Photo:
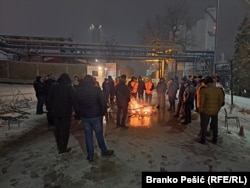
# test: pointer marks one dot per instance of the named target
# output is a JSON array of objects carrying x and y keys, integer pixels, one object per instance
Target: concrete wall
[{"x": 27, "y": 71}]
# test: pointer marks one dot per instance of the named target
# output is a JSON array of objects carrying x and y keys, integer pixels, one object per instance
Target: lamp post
[
  {"x": 215, "y": 36},
  {"x": 231, "y": 82}
]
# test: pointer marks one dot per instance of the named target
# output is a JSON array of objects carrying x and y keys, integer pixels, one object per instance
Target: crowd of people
[{"x": 88, "y": 100}]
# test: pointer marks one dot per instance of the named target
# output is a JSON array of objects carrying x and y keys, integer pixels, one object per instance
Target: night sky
[{"x": 120, "y": 19}]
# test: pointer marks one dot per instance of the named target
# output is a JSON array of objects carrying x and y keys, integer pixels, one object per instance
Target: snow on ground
[
  {"x": 165, "y": 145},
  {"x": 8, "y": 91}
]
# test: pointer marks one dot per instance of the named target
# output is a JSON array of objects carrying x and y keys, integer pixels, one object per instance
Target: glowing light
[{"x": 139, "y": 114}]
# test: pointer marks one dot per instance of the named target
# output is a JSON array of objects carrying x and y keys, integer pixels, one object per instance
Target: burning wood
[{"x": 139, "y": 110}]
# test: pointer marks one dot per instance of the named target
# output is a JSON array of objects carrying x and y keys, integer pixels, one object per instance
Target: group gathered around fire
[{"x": 88, "y": 101}]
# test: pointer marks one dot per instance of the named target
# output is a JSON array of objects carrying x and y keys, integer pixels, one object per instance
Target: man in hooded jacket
[{"x": 61, "y": 102}]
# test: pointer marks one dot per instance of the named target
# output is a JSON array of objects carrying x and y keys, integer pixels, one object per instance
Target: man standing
[
  {"x": 188, "y": 102},
  {"x": 92, "y": 106},
  {"x": 122, "y": 94},
  {"x": 171, "y": 92},
  {"x": 149, "y": 87},
  {"x": 161, "y": 89},
  {"x": 133, "y": 86},
  {"x": 141, "y": 88},
  {"x": 61, "y": 100},
  {"x": 180, "y": 97},
  {"x": 40, "y": 94},
  {"x": 211, "y": 99},
  {"x": 111, "y": 84}
]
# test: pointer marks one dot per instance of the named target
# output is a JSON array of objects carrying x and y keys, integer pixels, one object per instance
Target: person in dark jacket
[
  {"x": 49, "y": 80},
  {"x": 92, "y": 106},
  {"x": 161, "y": 89},
  {"x": 141, "y": 88},
  {"x": 122, "y": 94},
  {"x": 172, "y": 89},
  {"x": 188, "y": 102},
  {"x": 106, "y": 89},
  {"x": 111, "y": 89},
  {"x": 40, "y": 94},
  {"x": 180, "y": 97},
  {"x": 61, "y": 101}
]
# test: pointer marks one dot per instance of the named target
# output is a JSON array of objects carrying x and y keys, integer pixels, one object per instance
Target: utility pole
[
  {"x": 215, "y": 36},
  {"x": 231, "y": 82}
]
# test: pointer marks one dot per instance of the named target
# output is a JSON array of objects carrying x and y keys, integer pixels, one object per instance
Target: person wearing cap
[
  {"x": 122, "y": 94},
  {"x": 211, "y": 99}
]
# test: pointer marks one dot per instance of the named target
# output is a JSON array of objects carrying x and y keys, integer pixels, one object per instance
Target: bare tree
[
  {"x": 175, "y": 20},
  {"x": 153, "y": 30},
  {"x": 176, "y": 16}
]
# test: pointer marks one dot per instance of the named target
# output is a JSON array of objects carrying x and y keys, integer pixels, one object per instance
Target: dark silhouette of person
[
  {"x": 48, "y": 82},
  {"x": 39, "y": 88},
  {"x": 111, "y": 84},
  {"x": 141, "y": 88},
  {"x": 92, "y": 107},
  {"x": 122, "y": 94},
  {"x": 61, "y": 102}
]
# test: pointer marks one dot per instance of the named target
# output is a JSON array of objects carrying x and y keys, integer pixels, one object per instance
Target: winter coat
[
  {"x": 189, "y": 94},
  {"x": 111, "y": 84},
  {"x": 172, "y": 89},
  {"x": 134, "y": 86},
  {"x": 39, "y": 87},
  {"x": 149, "y": 87},
  {"x": 211, "y": 99},
  {"x": 61, "y": 98},
  {"x": 141, "y": 86},
  {"x": 122, "y": 94},
  {"x": 91, "y": 101},
  {"x": 161, "y": 87},
  {"x": 181, "y": 92}
]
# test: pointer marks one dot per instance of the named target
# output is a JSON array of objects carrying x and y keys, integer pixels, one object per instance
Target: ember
[{"x": 139, "y": 110}]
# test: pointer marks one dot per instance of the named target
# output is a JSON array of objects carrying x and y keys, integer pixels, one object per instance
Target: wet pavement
[{"x": 157, "y": 142}]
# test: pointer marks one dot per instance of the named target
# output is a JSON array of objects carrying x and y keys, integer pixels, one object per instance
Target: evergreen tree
[{"x": 241, "y": 59}]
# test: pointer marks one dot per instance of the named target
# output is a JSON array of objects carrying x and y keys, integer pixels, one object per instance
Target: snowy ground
[
  {"x": 8, "y": 92},
  {"x": 158, "y": 143}
]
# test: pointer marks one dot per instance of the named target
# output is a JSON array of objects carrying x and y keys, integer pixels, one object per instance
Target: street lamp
[{"x": 215, "y": 36}]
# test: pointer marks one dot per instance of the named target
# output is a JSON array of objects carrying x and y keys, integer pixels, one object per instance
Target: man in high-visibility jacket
[
  {"x": 149, "y": 87},
  {"x": 133, "y": 86}
]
